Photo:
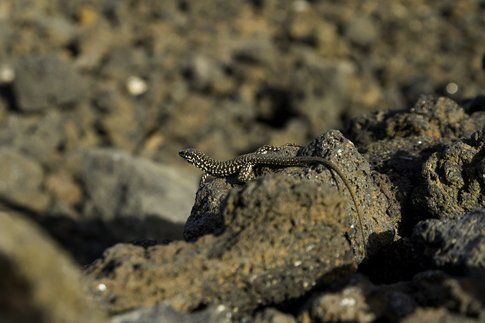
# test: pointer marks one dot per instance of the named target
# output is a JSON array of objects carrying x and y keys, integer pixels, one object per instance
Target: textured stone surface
[
  {"x": 282, "y": 237},
  {"x": 457, "y": 242},
  {"x": 454, "y": 178},
  {"x": 207, "y": 213},
  {"x": 409, "y": 151},
  {"x": 166, "y": 314},
  {"x": 432, "y": 291}
]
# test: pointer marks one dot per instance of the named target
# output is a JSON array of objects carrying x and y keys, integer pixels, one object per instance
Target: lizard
[{"x": 242, "y": 167}]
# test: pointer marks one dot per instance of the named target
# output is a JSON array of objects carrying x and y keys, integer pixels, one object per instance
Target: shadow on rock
[
  {"x": 38, "y": 281},
  {"x": 87, "y": 239},
  {"x": 431, "y": 294}
]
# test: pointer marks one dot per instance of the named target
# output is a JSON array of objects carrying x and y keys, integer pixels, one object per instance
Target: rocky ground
[{"x": 98, "y": 220}]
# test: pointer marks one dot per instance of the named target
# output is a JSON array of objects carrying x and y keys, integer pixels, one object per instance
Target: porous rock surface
[
  {"x": 454, "y": 178},
  {"x": 206, "y": 216},
  {"x": 293, "y": 230},
  {"x": 404, "y": 148},
  {"x": 457, "y": 242},
  {"x": 358, "y": 300},
  {"x": 271, "y": 249}
]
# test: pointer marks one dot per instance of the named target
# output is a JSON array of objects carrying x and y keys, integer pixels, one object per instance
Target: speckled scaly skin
[{"x": 242, "y": 166}]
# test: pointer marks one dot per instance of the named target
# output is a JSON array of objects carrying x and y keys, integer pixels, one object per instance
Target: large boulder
[{"x": 38, "y": 282}]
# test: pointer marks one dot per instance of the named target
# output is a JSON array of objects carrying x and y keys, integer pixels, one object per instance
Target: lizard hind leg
[
  {"x": 269, "y": 148},
  {"x": 246, "y": 173}
]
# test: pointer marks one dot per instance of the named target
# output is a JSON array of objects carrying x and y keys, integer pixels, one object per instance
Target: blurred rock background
[{"x": 97, "y": 96}]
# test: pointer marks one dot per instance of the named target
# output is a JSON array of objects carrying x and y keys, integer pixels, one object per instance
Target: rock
[
  {"x": 122, "y": 121},
  {"x": 43, "y": 81},
  {"x": 206, "y": 216},
  {"x": 204, "y": 72},
  {"x": 408, "y": 150},
  {"x": 358, "y": 300},
  {"x": 62, "y": 187},
  {"x": 271, "y": 315},
  {"x": 436, "y": 315},
  {"x": 282, "y": 237},
  {"x": 166, "y": 314},
  {"x": 319, "y": 91},
  {"x": 348, "y": 305},
  {"x": 456, "y": 242},
  {"x": 436, "y": 289},
  {"x": 59, "y": 30},
  {"x": 362, "y": 31},
  {"x": 119, "y": 186},
  {"x": 453, "y": 178},
  {"x": 227, "y": 77},
  {"x": 436, "y": 118},
  {"x": 40, "y": 138},
  {"x": 38, "y": 283},
  {"x": 211, "y": 199},
  {"x": 20, "y": 181}
]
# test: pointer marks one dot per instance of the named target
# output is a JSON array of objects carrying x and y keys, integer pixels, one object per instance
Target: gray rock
[
  {"x": 361, "y": 301},
  {"x": 37, "y": 137},
  {"x": 60, "y": 30},
  {"x": 424, "y": 160},
  {"x": 452, "y": 178},
  {"x": 45, "y": 81},
  {"x": 457, "y": 242},
  {"x": 119, "y": 185},
  {"x": 347, "y": 305},
  {"x": 437, "y": 315},
  {"x": 271, "y": 315},
  {"x": 20, "y": 181},
  {"x": 166, "y": 314},
  {"x": 38, "y": 283},
  {"x": 362, "y": 31}
]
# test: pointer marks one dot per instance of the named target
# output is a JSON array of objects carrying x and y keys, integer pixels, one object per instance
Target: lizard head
[{"x": 189, "y": 154}]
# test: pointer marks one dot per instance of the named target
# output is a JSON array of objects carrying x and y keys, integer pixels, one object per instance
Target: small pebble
[
  {"x": 300, "y": 5},
  {"x": 102, "y": 287},
  {"x": 220, "y": 308},
  {"x": 136, "y": 86},
  {"x": 7, "y": 74},
  {"x": 347, "y": 302},
  {"x": 451, "y": 88}
]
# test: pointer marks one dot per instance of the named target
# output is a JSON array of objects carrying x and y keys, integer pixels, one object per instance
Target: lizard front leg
[
  {"x": 246, "y": 173},
  {"x": 203, "y": 179}
]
